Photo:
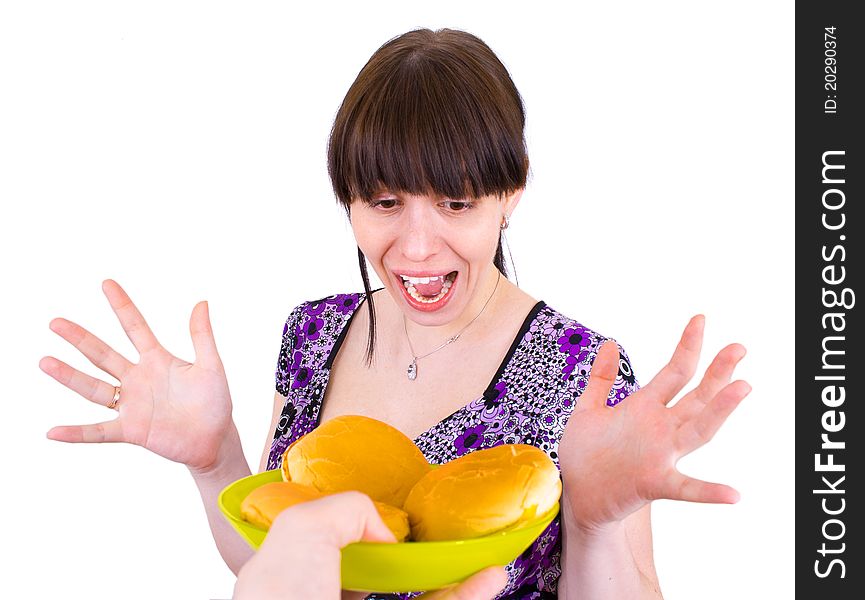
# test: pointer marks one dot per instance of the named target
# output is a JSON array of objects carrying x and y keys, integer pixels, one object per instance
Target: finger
[
  {"x": 202, "y": 336},
  {"x": 374, "y": 529},
  {"x": 716, "y": 377},
  {"x": 95, "y": 390},
  {"x": 702, "y": 427},
  {"x": 483, "y": 585},
  {"x": 133, "y": 323},
  {"x": 672, "y": 378},
  {"x": 97, "y": 352},
  {"x": 336, "y": 520},
  {"x": 695, "y": 490},
  {"x": 605, "y": 368},
  {"x": 359, "y": 508},
  {"x": 96, "y": 433}
]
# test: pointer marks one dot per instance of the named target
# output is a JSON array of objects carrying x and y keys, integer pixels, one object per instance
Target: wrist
[
  {"x": 589, "y": 534},
  {"x": 584, "y": 529},
  {"x": 228, "y": 464}
]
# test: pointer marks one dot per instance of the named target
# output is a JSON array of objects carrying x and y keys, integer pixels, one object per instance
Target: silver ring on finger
[{"x": 116, "y": 399}]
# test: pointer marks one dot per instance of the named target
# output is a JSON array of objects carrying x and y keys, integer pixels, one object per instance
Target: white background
[{"x": 180, "y": 148}]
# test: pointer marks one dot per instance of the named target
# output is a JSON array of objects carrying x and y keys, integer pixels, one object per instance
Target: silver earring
[{"x": 504, "y": 238}]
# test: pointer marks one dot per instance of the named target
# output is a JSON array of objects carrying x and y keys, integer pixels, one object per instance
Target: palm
[
  {"x": 176, "y": 409},
  {"x": 614, "y": 461}
]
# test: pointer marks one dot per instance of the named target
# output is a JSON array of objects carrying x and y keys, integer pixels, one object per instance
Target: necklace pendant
[{"x": 411, "y": 372}]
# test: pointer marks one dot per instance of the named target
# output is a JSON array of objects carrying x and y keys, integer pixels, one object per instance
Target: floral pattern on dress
[{"x": 529, "y": 401}]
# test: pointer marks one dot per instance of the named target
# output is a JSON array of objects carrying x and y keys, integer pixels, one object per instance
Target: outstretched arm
[
  {"x": 614, "y": 562},
  {"x": 616, "y": 461},
  {"x": 176, "y": 409}
]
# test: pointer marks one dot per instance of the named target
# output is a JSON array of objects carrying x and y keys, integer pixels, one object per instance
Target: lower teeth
[
  {"x": 427, "y": 299},
  {"x": 412, "y": 291}
]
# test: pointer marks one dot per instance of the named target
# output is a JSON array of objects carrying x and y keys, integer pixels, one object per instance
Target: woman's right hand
[{"x": 176, "y": 409}]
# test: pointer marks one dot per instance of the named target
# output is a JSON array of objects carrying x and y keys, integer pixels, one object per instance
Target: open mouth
[{"x": 428, "y": 292}]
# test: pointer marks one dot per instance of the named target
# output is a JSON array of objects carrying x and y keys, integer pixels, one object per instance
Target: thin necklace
[{"x": 411, "y": 371}]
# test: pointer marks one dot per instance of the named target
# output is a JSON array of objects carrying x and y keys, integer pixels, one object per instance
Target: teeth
[
  {"x": 410, "y": 282},
  {"x": 414, "y": 294},
  {"x": 425, "y": 300},
  {"x": 416, "y": 280}
]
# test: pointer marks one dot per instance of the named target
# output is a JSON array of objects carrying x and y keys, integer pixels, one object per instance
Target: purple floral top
[{"x": 528, "y": 401}]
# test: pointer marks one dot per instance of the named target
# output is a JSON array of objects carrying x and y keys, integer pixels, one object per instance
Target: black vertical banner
[{"x": 830, "y": 224}]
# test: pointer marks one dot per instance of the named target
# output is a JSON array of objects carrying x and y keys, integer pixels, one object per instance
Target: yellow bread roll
[
  {"x": 283, "y": 464},
  {"x": 396, "y": 520},
  {"x": 483, "y": 492},
  {"x": 352, "y": 452},
  {"x": 264, "y": 503}
]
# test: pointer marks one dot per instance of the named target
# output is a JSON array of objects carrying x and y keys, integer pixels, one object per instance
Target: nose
[{"x": 419, "y": 238}]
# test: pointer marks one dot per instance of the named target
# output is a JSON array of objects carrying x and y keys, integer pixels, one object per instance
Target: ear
[{"x": 509, "y": 203}]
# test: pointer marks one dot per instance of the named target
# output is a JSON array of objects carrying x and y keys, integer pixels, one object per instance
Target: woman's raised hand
[
  {"x": 176, "y": 409},
  {"x": 615, "y": 460}
]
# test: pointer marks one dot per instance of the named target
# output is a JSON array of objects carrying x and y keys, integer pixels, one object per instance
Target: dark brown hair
[{"x": 431, "y": 112}]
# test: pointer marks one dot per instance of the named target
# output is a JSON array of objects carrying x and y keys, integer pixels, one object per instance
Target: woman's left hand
[{"x": 615, "y": 460}]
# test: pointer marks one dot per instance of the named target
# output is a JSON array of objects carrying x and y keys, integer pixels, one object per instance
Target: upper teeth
[{"x": 416, "y": 280}]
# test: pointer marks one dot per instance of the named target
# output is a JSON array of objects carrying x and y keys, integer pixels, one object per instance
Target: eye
[
  {"x": 458, "y": 205},
  {"x": 384, "y": 203}
]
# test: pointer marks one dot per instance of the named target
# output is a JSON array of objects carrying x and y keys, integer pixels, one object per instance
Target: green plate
[{"x": 405, "y": 567}]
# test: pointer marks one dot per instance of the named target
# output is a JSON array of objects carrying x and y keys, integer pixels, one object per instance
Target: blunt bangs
[{"x": 430, "y": 113}]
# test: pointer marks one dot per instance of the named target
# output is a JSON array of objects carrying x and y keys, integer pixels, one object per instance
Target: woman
[{"x": 427, "y": 155}]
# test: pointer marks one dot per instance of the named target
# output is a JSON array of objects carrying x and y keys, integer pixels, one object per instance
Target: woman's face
[{"x": 434, "y": 254}]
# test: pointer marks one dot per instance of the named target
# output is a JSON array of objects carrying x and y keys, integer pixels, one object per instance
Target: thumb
[
  {"x": 605, "y": 368},
  {"x": 202, "y": 335},
  {"x": 689, "y": 489},
  {"x": 482, "y": 585},
  {"x": 371, "y": 526},
  {"x": 342, "y": 519}
]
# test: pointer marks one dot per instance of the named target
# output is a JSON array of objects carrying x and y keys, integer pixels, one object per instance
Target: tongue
[{"x": 429, "y": 289}]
